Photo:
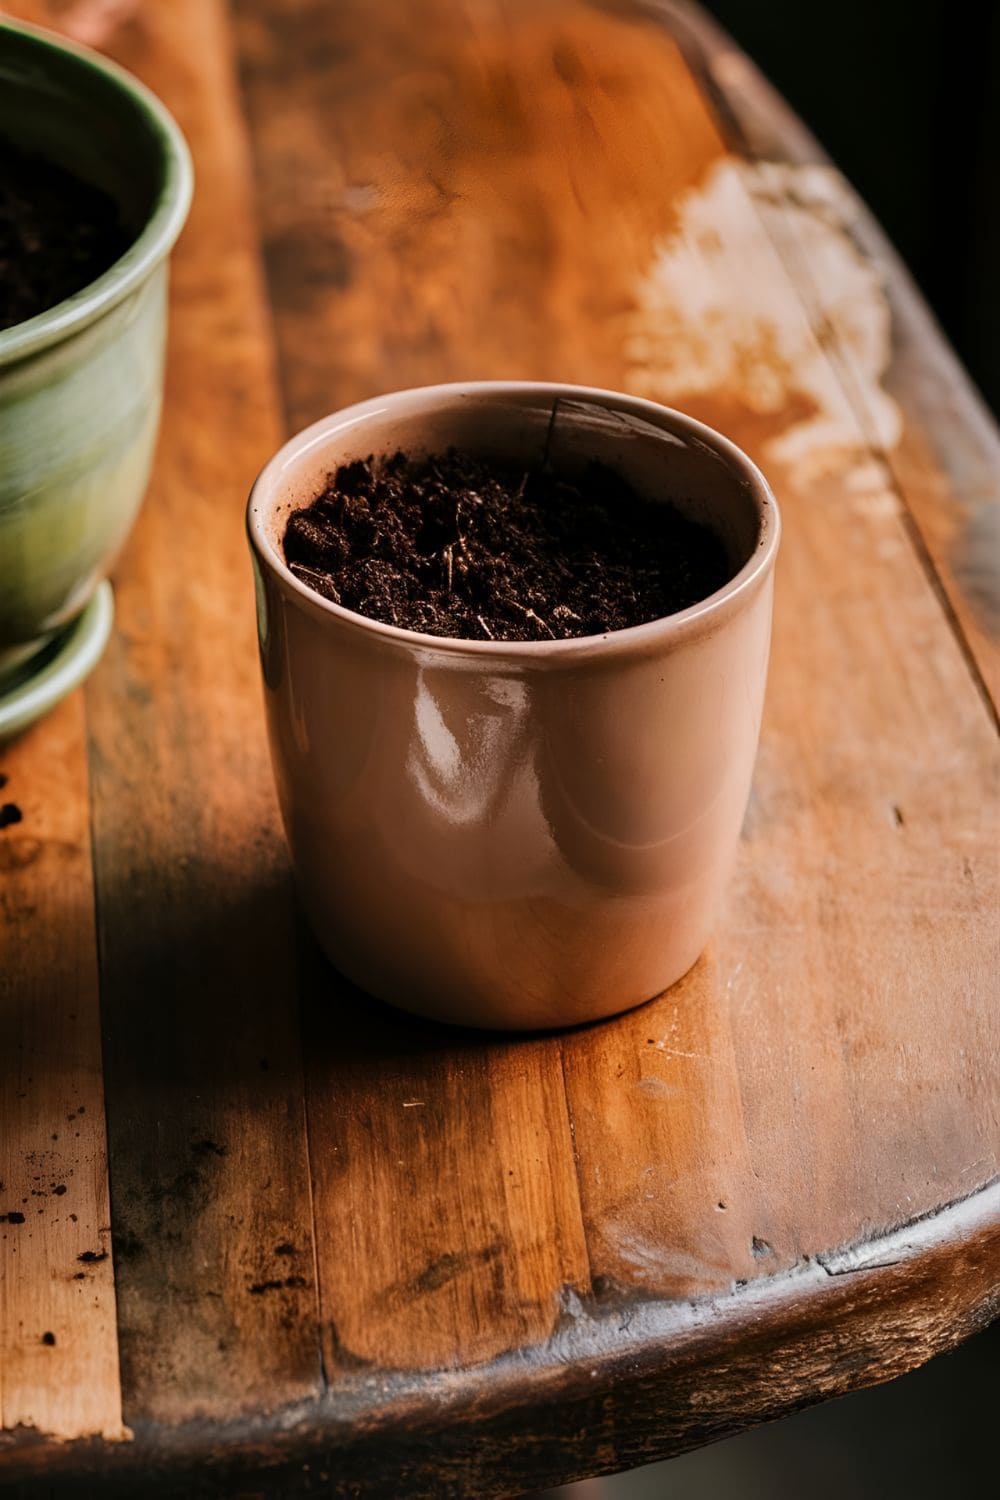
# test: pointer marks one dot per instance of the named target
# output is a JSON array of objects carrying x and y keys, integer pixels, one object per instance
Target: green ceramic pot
[{"x": 81, "y": 383}]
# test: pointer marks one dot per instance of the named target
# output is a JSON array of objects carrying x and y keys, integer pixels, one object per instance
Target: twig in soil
[
  {"x": 460, "y": 541},
  {"x": 530, "y": 613},
  {"x": 486, "y": 627},
  {"x": 321, "y": 582},
  {"x": 548, "y": 434}
]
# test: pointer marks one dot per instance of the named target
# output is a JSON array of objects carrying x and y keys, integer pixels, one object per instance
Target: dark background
[
  {"x": 904, "y": 95},
  {"x": 927, "y": 1436}
]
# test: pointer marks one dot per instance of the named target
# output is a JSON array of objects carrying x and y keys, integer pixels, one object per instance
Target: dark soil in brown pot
[{"x": 452, "y": 546}]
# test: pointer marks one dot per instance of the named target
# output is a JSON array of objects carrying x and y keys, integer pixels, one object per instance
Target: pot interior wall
[{"x": 517, "y": 428}]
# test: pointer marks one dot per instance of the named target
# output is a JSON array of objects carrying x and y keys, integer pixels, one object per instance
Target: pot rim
[
  {"x": 706, "y": 614},
  {"x": 155, "y": 240}
]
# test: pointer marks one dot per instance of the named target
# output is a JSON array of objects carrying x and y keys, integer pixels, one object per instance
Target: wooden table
[{"x": 256, "y": 1222}]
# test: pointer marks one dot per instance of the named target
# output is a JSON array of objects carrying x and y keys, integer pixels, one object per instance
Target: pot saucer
[{"x": 59, "y": 667}]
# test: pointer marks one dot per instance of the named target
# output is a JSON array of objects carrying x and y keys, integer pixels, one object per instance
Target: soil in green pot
[
  {"x": 452, "y": 546},
  {"x": 57, "y": 234}
]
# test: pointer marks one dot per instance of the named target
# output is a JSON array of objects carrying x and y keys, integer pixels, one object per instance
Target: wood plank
[
  {"x": 209, "y": 1170},
  {"x": 58, "y": 1343},
  {"x": 448, "y": 1221},
  {"x": 426, "y": 215}
]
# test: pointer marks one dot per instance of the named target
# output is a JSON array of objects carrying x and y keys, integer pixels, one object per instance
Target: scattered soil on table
[
  {"x": 208, "y": 1148},
  {"x": 277, "y": 1284},
  {"x": 57, "y": 234},
  {"x": 452, "y": 546}
]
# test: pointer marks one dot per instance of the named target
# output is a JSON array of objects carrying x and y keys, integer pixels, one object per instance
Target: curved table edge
[{"x": 690, "y": 1373}]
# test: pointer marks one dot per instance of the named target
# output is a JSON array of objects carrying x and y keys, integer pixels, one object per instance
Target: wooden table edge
[{"x": 833, "y": 1324}]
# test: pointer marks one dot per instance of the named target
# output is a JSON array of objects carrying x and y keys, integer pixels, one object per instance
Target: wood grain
[
  {"x": 58, "y": 1346},
  {"x": 448, "y": 1220},
  {"x": 427, "y": 212},
  {"x": 209, "y": 1169},
  {"x": 946, "y": 464}
]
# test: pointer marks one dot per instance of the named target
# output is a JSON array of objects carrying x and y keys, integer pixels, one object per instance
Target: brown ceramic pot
[{"x": 504, "y": 834}]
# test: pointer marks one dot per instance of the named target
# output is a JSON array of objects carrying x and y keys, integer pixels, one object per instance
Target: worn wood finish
[
  {"x": 842, "y": 859},
  {"x": 205, "y": 1101},
  {"x": 448, "y": 1222},
  {"x": 947, "y": 460},
  {"x": 515, "y": 1424},
  {"x": 58, "y": 1344},
  {"x": 428, "y": 189},
  {"x": 357, "y": 1254}
]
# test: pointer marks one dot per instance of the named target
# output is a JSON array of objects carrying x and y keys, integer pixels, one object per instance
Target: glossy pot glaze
[
  {"x": 80, "y": 384},
  {"x": 516, "y": 835}
]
